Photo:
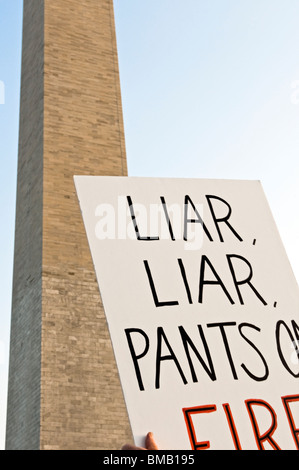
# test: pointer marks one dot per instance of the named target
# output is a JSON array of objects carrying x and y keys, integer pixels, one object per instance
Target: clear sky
[{"x": 210, "y": 89}]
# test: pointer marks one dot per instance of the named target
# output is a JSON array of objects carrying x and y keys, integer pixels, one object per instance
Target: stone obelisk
[{"x": 64, "y": 391}]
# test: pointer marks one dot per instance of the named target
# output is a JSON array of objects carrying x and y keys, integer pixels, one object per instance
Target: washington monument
[{"x": 64, "y": 391}]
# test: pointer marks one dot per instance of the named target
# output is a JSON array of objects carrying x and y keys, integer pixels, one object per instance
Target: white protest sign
[{"x": 202, "y": 308}]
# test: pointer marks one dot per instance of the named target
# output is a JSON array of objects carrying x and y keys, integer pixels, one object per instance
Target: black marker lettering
[
  {"x": 134, "y": 356},
  {"x": 133, "y": 217},
  {"x": 217, "y": 281},
  {"x": 198, "y": 219},
  {"x": 226, "y": 345},
  {"x": 243, "y": 281},
  {"x": 254, "y": 377},
  {"x": 187, "y": 343},
  {"x": 161, "y": 336},
  {"x": 224, "y": 219},
  {"x": 153, "y": 289}
]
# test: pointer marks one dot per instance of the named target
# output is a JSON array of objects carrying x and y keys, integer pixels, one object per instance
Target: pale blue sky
[{"x": 210, "y": 89}]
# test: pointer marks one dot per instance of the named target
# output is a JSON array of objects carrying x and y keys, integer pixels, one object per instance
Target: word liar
[{"x": 188, "y": 220}]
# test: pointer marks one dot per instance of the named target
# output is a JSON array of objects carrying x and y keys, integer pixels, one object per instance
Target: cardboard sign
[{"x": 202, "y": 308}]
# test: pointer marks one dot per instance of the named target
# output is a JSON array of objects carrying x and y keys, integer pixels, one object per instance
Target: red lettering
[
  {"x": 295, "y": 431},
  {"x": 188, "y": 412},
  {"x": 261, "y": 436},
  {"x": 267, "y": 435},
  {"x": 232, "y": 426}
]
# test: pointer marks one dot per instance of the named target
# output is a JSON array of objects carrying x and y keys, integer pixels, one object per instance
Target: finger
[
  {"x": 150, "y": 442},
  {"x": 131, "y": 447}
]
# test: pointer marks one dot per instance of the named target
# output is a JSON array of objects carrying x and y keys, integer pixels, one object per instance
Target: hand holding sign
[
  {"x": 150, "y": 444},
  {"x": 202, "y": 308}
]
